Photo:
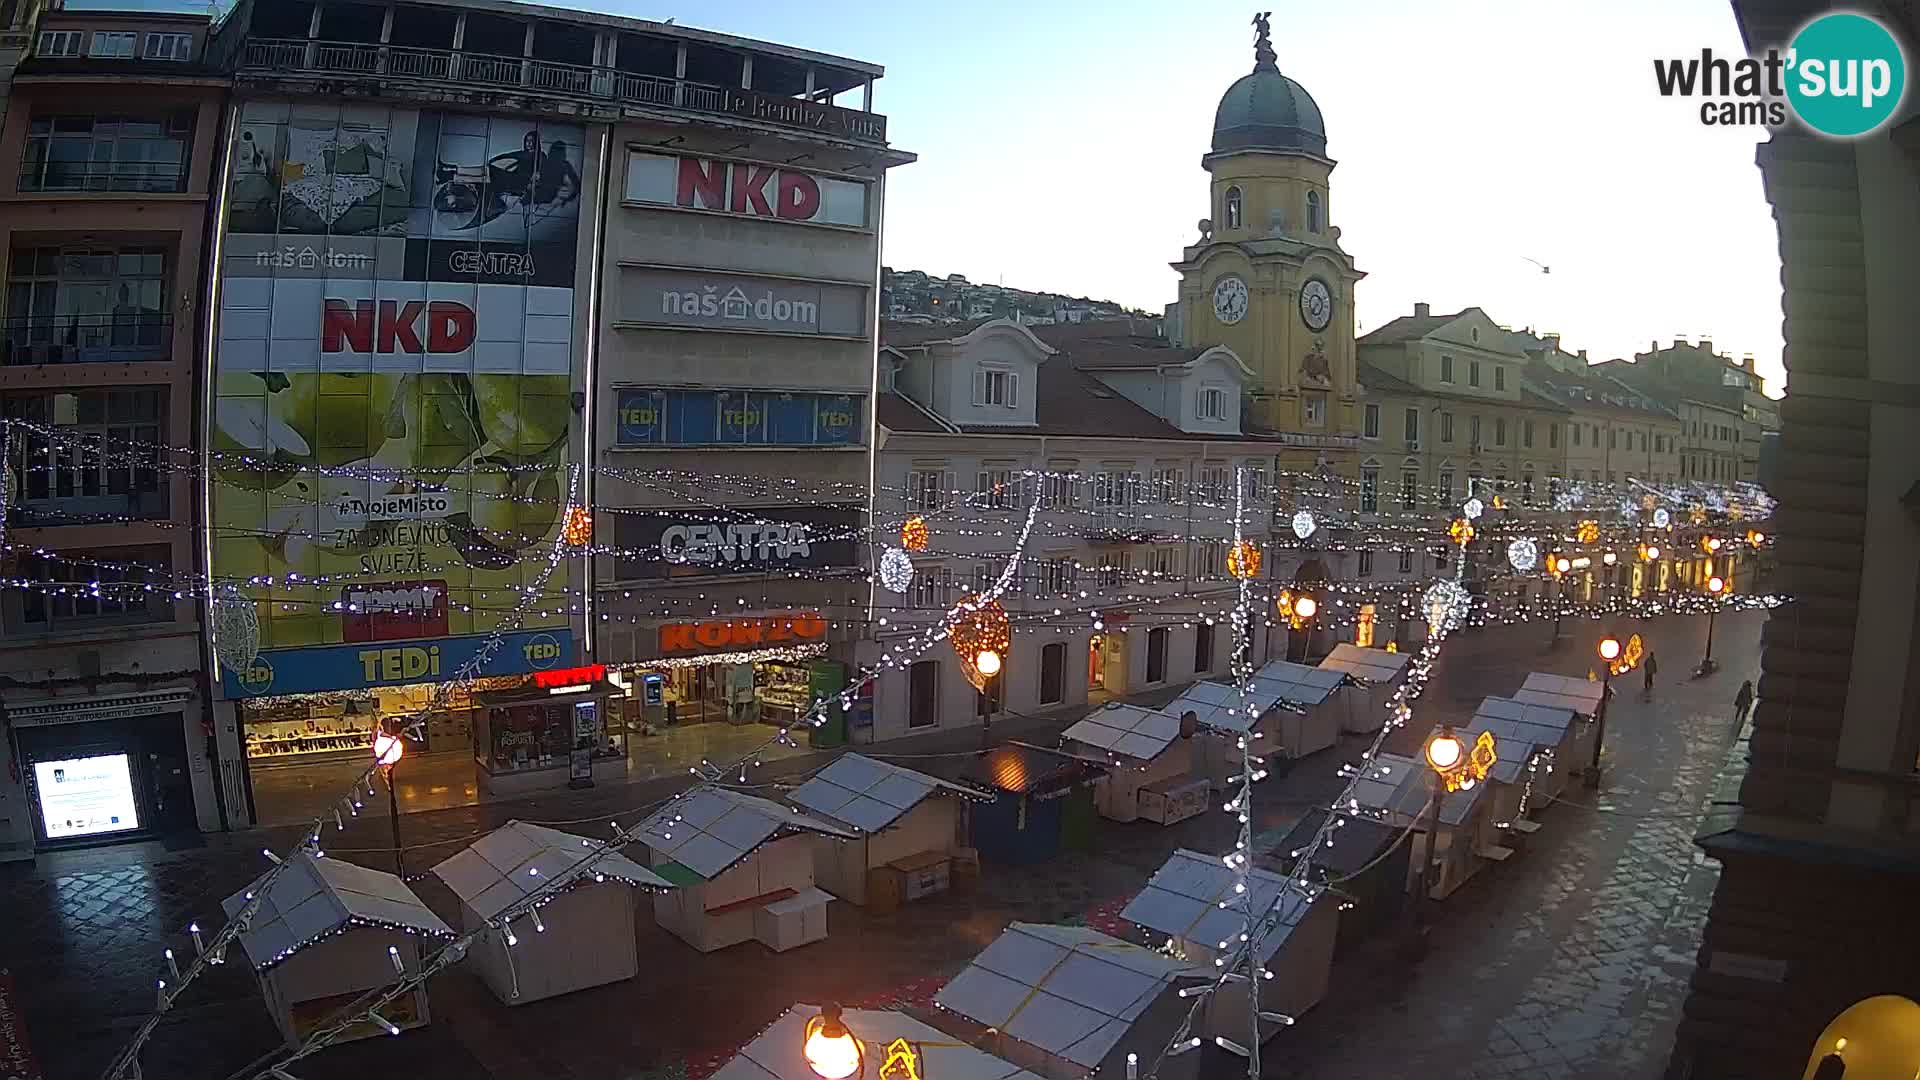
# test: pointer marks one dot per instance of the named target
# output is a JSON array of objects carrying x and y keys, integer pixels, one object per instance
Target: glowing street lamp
[
  {"x": 832, "y": 1052},
  {"x": 1716, "y": 590},
  {"x": 1305, "y": 607},
  {"x": 388, "y": 748},
  {"x": 1609, "y": 650},
  {"x": 988, "y": 662}
]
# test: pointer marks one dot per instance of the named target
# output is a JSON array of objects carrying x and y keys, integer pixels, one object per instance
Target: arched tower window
[
  {"x": 1315, "y": 220},
  {"x": 1232, "y": 214}
]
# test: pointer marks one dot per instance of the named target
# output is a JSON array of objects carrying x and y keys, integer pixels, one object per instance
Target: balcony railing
[
  {"x": 141, "y": 176},
  {"x": 290, "y": 56},
  {"x": 86, "y": 339}
]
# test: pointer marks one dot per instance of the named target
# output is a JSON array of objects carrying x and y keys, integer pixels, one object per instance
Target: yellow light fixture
[
  {"x": 914, "y": 533},
  {"x": 1711, "y": 544},
  {"x": 1609, "y": 558},
  {"x": 1650, "y": 552},
  {"x": 1756, "y": 537},
  {"x": 988, "y": 663},
  {"x": 831, "y": 1050},
  {"x": 1461, "y": 531},
  {"x": 1499, "y": 503},
  {"x": 1588, "y": 532},
  {"x": 1609, "y": 648},
  {"x": 1305, "y": 607},
  {"x": 1561, "y": 564},
  {"x": 388, "y": 748},
  {"x": 1393, "y": 646},
  {"x": 1445, "y": 750},
  {"x": 1243, "y": 560},
  {"x": 981, "y": 637},
  {"x": 578, "y": 530}
]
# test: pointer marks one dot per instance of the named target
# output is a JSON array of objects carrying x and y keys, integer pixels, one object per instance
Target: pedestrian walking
[
  {"x": 1742, "y": 701},
  {"x": 1648, "y": 671}
]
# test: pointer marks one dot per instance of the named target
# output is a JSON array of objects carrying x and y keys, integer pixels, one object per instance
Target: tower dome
[{"x": 1266, "y": 110}]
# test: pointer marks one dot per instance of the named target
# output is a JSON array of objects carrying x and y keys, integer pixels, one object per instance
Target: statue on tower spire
[{"x": 1263, "y": 54}]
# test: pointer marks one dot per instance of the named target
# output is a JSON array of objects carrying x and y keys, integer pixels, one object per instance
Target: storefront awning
[{"x": 106, "y": 707}]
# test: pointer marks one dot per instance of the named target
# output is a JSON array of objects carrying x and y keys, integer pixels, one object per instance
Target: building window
[
  {"x": 104, "y": 460},
  {"x": 1115, "y": 568},
  {"x": 1169, "y": 485},
  {"x": 1593, "y": 433},
  {"x": 56, "y": 44},
  {"x": 997, "y": 489},
  {"x": 1445, "y": 484},
  {"x": 1256, "y": 484},
  {"x": 1473, "y": 432},
  {"x": 1231, "y": 214},
  {"x": 1163, "y": 563},
  {"x": 1213, "y": 403},
  {"x": 46, "y": 603},
  {"x": 1204, "y": 634},
  {"x": 1473, "y": 373},
  {"x": 1315, "y": 220},
  {"x": 927, "y": 489},
  {"x": 1372, "y": 415},
  {"x": 1213, "y": 558},
  {"x": 1446, "y": 427},
  {"x": 932, "y": 589},
  {"x": 113, "y": 45},
  {"x": 1526, "y": 485},
  {"x": 1053, "y": 673},
  {"x": 1057, "y": 575},
  {"x": 996, "y": 386},
  {"x": 1366, "y": 563},
  {"x": 1413, "y": 427},
  {"x": 1613, "y": 438},
  {"x": 1406, "y": 561},
  {"x": 1446, "y": 369},
  {"x": 1213, "y": 483},
  {"x": 79, "y": 305},
  {"x": 1409, "y": 488},
  {"x": 1157, "y": 655},
  {"x": 1499, "y": 431},
  {"x": 1369, "y": 489},
  {"x": 169, "y": 47},
  {"x": 1576, "y": 434},
  {"x": 1526, "y": 434},
  {"x": 1499, "y": 377},
  {"x": 1553, "y": 436},
  {"x": 107, "y": 153},
  {"x": 923, "y": 694},
  {"x": 1313, "y": 409}
]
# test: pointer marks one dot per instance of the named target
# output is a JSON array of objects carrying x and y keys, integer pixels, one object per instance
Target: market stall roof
[
  {"x": 1278, "y": 685},
  {"x": 1544, "y": 725},
  {"x": 1367, "y": 665},
  {"x": 1032, "y": 770},
  {"x": 510, "y": 863},
  {"x": 1403, "y": 786},
  {"x": 1127, "y": 730},
  {"x": 1182, "y": 900},
  {"x": 869, "y": 794},
  {"x": 1357, "y": 842},
  {"x": 1581, "y": 696},
  {"x": 1298, "y": 684},
  {"x": 707, "y": 829},
  {"x": 314, "y": 896},
  {"x": 1068, "y": 990},
  {"x": 777, "y": 1055}
]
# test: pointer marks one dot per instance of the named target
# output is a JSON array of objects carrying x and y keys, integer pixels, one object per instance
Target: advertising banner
[
  {"x": 395, "y": 663},
  {"x": 86, "y": 796},
  {"x": 650, "y": 417},
  {"x": 749, "y": 189},
  {"x": 395, "y": 367},
  {"x": 695, "y": 544},
  {"x": 707, "y": 301}
]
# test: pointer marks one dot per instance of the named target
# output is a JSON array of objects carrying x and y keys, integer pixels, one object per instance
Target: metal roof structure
[
  {"x": 1358, "y": 843},
  {"x": 868, "y": 794},
  {"x": 1126, "y": 730},
  {"x": 707, "y": 829},
  {"x": 510, "y": 863},
  {"x": 1406, "y": 790},
  {"x": 313, "y": 896},
  {"x": 777, "y": 1055},
  {"x": 1581, "y": 696},
  {"x": 1544, "y": 725},
  {"x": 1068, "y": 990},
  {"x": 1032, "y": 770},
  {"x": 1182, "y": 900},
  {"x": 1367, "y": 665},
  {"x": 1279, "y": 685}
]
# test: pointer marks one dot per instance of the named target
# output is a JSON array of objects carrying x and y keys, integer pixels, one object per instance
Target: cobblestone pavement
[{"x": 1569, "y": 960}]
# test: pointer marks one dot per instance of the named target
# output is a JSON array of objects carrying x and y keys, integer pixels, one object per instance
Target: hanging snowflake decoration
[
  {"x": 896, "y": 570},
  {"x": 1565, "y": 501},
  {"x": 236, "y": 627},
  {"x": 1303, "y": 524},
  {"x": 1445, "y": 605},
  {"x": 1523, "y": 554},
  {"x": 1473, "y": 509},
  {"x": 1662, "y": 518}
]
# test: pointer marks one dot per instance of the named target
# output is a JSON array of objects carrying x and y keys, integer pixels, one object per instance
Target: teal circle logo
[
  {"x": 1846, "y": 74},
  {"x": 256, "y": 678}
]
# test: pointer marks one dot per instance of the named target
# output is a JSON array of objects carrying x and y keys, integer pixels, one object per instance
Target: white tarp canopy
[
  {"x": 1071, "y": 991},
  {"x": 510, "y": 863},
  {"x": 1580, "y": 696},
  {"x": 1366, "y": 665},
  {"x": 868, "y": 794},
  {"x": 1127, "y": 730},
  {"x": 313, "y": 896},
  {"x": 708, "y": 829},
  {"x": 776, "y": 1054},
  {"x": 1182, "y": 900}
]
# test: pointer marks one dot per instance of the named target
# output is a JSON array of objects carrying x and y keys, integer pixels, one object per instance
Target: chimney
[
  {"x": 1421, "y": 311},
  {"x": 1583, "y": 356},
  {"x": 1552, "y": 340},
  {"x": 1746, "y": 362},
  {"x": 1706, "y": 346}
]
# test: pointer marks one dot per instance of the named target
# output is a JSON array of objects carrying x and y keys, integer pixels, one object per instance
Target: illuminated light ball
[
  {"x": 1523, "y": 554},
  {"x": 1711, "y": 543},
  {"x": 1756, "y": 538},
  {"x": 1461, "y": 531},
  {"x": 831, "y": 1050},
  {"x": 914, "y": 534},
  {"x": 1609, "y": 558},
  {"x": 1588, "y": 532},
  {"x": 1562, "y": 564},
  {"x": 1303, "y": 524},
  {"x": 1444, "y": 751},
  {"x": 1444, "y": 604},
  {"x": 1305, "y": 607},
  {"x": 388, "y": 749},
  {"x": 1716, "y": 585},
  {"x": 1243, "y": 560},
  {"x": 578, "y": 530},
  {"x": 896, "y": 570},
  {"x": 1473, "y": 509},
  {"x": 1609, "y": 648},
  {"x": 1653, "y": 552},
  {"x": 988, "y": 662},
  {"x": 1662, "y": 518}
]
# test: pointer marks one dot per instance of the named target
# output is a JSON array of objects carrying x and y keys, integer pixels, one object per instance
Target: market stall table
[
  {"x": 736, "y": 861},
  {"x": 776, "y": 1054},
  {"x": 908, "y": 827},
  {"x": 1183, "y": 901},
  {"x": 325, "y": 933},
  {"x": 1152, "y": 763},
  {"x": 1288, "y": 708},
  {"x": 1376, "y": 674},
  {"x": 1065, "y": 1001},
  {"x": 584, "y": 935}
]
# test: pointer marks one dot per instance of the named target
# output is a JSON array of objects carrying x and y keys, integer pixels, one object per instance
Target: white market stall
[
  {"x": 908, "y": 826},
  {"x": 1289, "y": 708},
  {"x": 777, "y": 1053},
  {"x": 328, "y": 931},
  {"x": 1377, "y": 674},
  {"x": 1182, "y": 900},
  {"x": 1553, "y": 732},
  {"x": 742, "y": 868},
  {"x": 1578, "y": 696},
  {"x": 1400, "y": 791},
  {"x": 583, "y": 936},
  {"x": 1154, "y": 772},
  {"x": 1065, "y": 1001}
]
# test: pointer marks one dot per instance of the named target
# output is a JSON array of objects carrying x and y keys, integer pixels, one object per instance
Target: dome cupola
[{"x": 1266, "y": 110}]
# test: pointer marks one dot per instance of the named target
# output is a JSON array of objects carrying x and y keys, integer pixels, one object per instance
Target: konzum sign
[
  {"x": 745, "y": 188},
  {"x": 741, "y": 633}
]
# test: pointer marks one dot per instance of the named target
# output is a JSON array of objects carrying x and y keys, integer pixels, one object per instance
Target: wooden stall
[
  {"x": 1368, "y": 860},
  {"x": 585, "y": 934},
  {"x": 1182, "y": 901},
  {"x": 1067, "y": 1001},
  {"x": 894, "y": 1046},
  {"x": 742, "y": 868},
  {"x": 1376, "y": 674},
  {"x": 1555, "y": 734},
  {"x": 1289, "y": 708},
  {"x": 1581, "y": 697},
  {"x": 328, "y": 931},
  {"x": 1399, "y": 790},
  {"x": 907, "y": 827},
  {"x": 1152, "y": 760},
  {"x": 1044, "y": 803}
]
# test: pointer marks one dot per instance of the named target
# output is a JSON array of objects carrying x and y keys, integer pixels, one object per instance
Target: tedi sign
[{"x": 705, "y": 544}]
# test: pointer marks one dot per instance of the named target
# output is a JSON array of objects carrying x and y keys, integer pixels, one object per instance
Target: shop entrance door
[{"x": 171, "y": 780}]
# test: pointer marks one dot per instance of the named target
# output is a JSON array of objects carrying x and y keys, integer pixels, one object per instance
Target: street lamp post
[
  {"x": 388, "y": 748},
  {"x": 832, "y": 1052},
  {"x": 1716, "y": 587},
  {"x": 1609, "y": 652},
  {"x": 1444, "y": 753}
]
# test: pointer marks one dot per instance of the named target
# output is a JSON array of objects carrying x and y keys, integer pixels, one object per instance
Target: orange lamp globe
[
  {"x": 1305, "y": 606},
  {"x": 1609, "y": 648},
  {"x": 388, "y": 749},
  {"x": 988, "y": 662},
  {"x": 831, "y": 1050},
  {"x": 1444, "y": 751}
]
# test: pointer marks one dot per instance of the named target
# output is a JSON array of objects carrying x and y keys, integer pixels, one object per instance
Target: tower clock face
[
  {"x": 1230, "y": 299},
  {"x": 1316, "y": 304}
]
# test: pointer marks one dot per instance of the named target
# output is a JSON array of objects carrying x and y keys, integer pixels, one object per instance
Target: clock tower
[{"x": 1268, "y": 278}]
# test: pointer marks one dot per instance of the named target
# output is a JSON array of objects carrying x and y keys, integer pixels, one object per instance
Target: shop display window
[{"x": 517, "y": 738}]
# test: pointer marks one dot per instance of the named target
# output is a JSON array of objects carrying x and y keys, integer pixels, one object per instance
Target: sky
[{"x": 1059, "y": 149}]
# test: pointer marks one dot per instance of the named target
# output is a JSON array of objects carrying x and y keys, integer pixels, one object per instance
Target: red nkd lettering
[
  {"x": 389, "y": 326},
  {"x": 750, "y": 190},
  {"x": 799, "y": 197},
  {"x": 703, "y": 184}
]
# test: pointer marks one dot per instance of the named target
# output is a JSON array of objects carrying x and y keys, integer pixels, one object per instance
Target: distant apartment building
[{"x": 1723, "y": 402}]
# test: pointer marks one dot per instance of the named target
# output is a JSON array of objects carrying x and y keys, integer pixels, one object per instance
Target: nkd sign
[{"x": 745, "y": 188}]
